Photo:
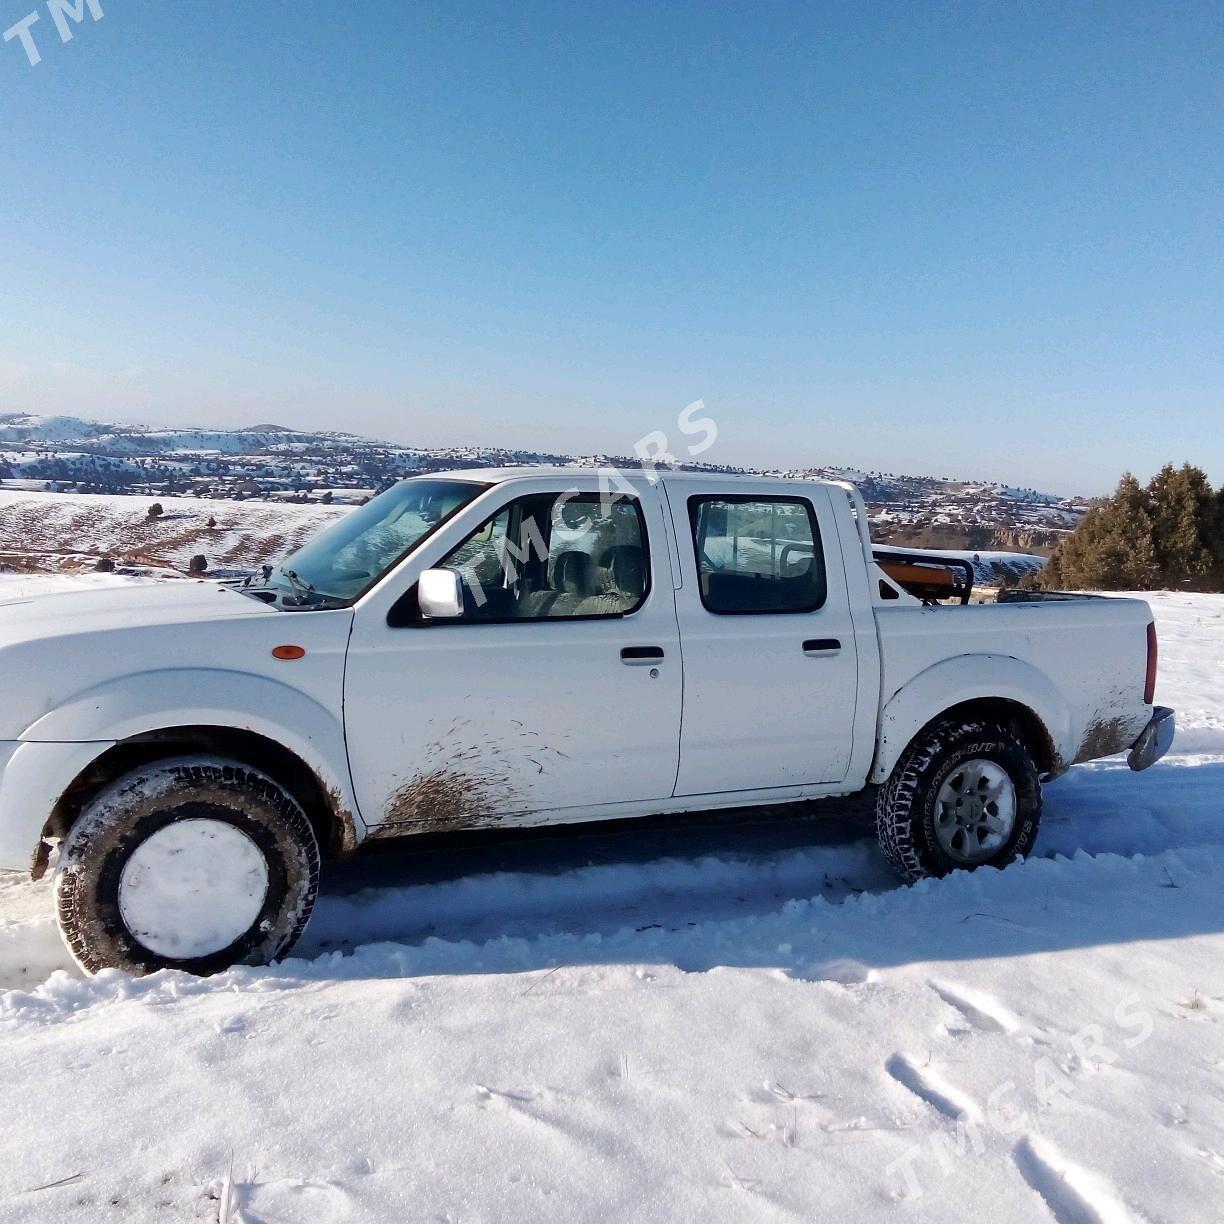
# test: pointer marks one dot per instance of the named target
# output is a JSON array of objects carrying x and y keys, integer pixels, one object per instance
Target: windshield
[{"x": 353, "y": 553}]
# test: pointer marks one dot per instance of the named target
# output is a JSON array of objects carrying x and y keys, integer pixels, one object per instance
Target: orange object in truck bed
[
  {"x": 905, "y": 574},
  {"x": 927, "y": 576}
]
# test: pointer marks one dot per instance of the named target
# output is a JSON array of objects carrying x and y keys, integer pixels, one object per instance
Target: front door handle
[
  {"x": 822, "y": 646},
  {"x": 640, "y": 655}
]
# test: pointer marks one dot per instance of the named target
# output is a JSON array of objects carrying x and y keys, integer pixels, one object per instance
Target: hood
[
  {"x": 129, "y": 606},
  {"x": 57, "y": 647}
]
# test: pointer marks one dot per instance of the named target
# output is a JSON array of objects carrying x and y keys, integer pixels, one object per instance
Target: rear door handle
[
  {"x": 822, "y": 646},
  {"x": 638, "y": 655}
]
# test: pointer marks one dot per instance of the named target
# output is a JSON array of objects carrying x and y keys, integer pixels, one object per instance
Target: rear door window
[{"x": 757, "y": 554}]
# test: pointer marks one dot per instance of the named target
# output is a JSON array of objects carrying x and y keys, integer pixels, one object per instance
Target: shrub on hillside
[{"x": 1169, "y": 533}]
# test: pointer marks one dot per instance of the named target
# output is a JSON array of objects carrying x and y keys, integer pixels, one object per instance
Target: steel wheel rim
[
  {"x": 975, "y": 811},
  {"x": 193, "y": 888}
]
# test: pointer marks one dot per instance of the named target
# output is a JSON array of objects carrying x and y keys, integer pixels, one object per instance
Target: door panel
[
  {"x": 770, "y": 662},
  {"x": 525, "y": 704}
]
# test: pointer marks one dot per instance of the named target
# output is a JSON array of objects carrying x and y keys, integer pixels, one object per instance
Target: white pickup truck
[{"x": 525, "y": 646}]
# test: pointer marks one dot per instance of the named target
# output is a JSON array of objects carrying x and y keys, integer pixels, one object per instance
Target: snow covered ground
[
  {"x": 698, "y": 1020},
  {"x": 66, "y": 529}
]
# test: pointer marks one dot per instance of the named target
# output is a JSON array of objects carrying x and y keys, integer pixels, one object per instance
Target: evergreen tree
[
  {"x": 1183, "y": 506},
  {"x": 1132, "y": 549},
  {"x": 1078, "y": 560},
  {"x": 1216, "y": 538},
  {"x": 1170, "y": 533}
]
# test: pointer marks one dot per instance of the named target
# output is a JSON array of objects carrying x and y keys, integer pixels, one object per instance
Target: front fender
[
  {"x": 952, "y": 682},
  {"x": 32, "y": 778},
  {"x": 152, "y": 701}
]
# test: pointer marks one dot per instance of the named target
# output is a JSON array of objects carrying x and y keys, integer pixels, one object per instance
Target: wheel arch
[
  {"x": 288, "y": 732},
  {"x": 1009, "y": 712},
  {"x": 331, "y": 817},
  {"x": 997, "y": 687}
]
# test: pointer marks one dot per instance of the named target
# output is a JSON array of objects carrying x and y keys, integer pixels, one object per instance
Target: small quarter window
[{"x": 757, "y": 554}]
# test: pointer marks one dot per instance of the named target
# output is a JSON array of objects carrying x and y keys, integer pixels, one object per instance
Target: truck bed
[{"x": 1088, "y": 652}]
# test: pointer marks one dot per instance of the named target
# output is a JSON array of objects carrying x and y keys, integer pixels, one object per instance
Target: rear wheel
[
  {"x": 965, "y": 794},
  {"x": 194, "y": 864}
]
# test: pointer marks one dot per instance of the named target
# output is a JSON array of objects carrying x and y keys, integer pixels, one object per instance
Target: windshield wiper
[
  {"x": 299, "y": 583},
  {"x": 309, "y": 596},
  {"x": 265, "y": 588}
]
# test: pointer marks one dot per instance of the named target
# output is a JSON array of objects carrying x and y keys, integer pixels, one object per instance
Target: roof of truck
[{"x": 529, "y": 472}]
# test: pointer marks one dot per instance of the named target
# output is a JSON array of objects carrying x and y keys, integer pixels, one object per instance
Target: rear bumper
[{"x": 1155, "y": 741}]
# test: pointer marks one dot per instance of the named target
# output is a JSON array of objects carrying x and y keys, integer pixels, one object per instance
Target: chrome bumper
[{"x": 1156, "y": 740}]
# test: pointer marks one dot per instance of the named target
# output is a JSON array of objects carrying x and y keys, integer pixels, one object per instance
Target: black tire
[
  {"x": 906, "y": 803},
  {"x": 144, "y": 802}
]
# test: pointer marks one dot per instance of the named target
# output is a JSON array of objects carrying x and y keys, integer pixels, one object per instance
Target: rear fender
[{"x": 953, "y": 682}]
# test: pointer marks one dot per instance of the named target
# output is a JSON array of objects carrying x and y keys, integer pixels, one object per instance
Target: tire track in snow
[
  {"x": 1073, "y": 1195},
  {"x": 930, "y": 1090},
  {"x": 525, "y": 1106},
  {"x": 983, "y": 1013},
  {"x": 666, "y": 893},
  {"x": 613, "y": 881}
]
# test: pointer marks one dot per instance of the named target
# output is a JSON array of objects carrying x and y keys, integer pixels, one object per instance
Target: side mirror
[{"x": 440, "y": 593}]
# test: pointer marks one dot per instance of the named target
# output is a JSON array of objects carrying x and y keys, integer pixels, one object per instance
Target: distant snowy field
[
  {"x": 738, "y": 1023},
  {"x": 69, "y": 527}
]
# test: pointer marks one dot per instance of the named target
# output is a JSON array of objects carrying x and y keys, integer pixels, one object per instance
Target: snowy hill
[
  {"x": 697, "y": 1021},
  {"x": 70, "y": 454},
  {"x": 48, "y": 432}
]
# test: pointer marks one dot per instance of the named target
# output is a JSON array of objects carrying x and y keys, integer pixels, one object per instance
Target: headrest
[
  {"x": 572, "y": 573},
  {"x": 628, "y": 572}
]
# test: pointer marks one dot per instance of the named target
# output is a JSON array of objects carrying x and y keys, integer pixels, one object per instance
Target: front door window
[{"x": 552, "y": 556}]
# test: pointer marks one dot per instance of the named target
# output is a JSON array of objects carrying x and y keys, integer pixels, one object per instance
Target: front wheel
[
  {"x": 965, "y": 794},
  {"x": 195, "y": 863}
]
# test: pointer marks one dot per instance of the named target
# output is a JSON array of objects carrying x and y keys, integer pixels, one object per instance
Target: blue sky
[{"x": 972, "y": 239}]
